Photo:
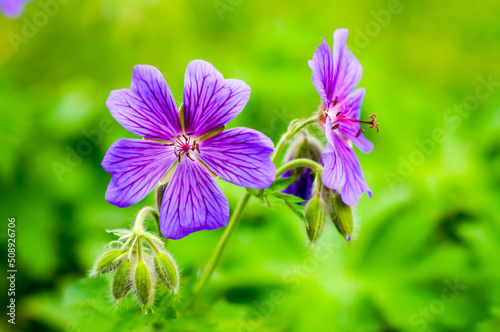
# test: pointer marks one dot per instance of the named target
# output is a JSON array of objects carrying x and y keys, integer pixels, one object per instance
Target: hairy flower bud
[
  {"x": 315, "y": 218},
  {"x": 108, "y": 261},
  {"x": 304, "y": 147},
  {"x": 167, "y": 271},
  {"x": 143, "y": 285},
  {"x": 341, "y": 215},
  {"x": 121, "y": 281}
]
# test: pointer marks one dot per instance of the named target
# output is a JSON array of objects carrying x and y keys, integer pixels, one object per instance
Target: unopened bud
[
  {"x": 315, "y": 218},
  {"x": 121, "y": 281},
  {"x": 167, "y": 271},
  {"x": 143, "y": 284},
  {"x": 108, "y": 261},
  {"x": 341, "y": 215}
]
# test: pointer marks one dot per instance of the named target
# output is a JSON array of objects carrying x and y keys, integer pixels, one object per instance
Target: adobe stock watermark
[
  {"x": 362, "y": 37},
  {"x": 224, "y": 6},
  {"x": 31, "y": 26},
  {"x": 449, "y": 294},
  {"x": 84, "y": 147},
  {"x": 278, "y": 123},
  {"x": 293, "y": 278},
  {"x": 87, "y": 311},
  {"x": 453, "y": 117}
]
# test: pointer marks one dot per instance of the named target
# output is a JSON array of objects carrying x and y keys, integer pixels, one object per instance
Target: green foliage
[{"x": 434, "y": 213}]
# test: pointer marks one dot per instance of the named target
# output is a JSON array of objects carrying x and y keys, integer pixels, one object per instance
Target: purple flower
[
  {"x": 189, "y": 147},
  {"x": 335, "y": 76},
  {"x": 12, "y": 8},
  {"x": 305, "y": 147}
]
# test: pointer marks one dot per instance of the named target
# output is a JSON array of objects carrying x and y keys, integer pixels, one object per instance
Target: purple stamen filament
[
  {"x": 340, "y": 117},
  {"x": 183, "y": 145}
]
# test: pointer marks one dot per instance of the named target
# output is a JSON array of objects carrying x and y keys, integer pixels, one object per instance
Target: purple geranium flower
[
  {"x": 335, "y": 76},
  {"x": 12, "y": 8},
  {"x": 188, "y": 147}
]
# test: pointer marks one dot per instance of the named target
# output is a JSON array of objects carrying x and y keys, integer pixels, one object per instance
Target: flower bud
[
  {"x": 143, "y": 284},
  {"x": 341, "y": 215},
  {"x": 121, "y": 281},
  {"x": 167, "y": 271},
  {"x": 108, "y": 261},
  {"x": 305, "y": 147},
  {"x": 315, "y": 218}
]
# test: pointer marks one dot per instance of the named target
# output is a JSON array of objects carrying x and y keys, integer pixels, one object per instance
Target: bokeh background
[{"x": 428, "y": 243}]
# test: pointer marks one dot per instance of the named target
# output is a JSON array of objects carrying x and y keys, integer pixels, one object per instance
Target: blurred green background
[{"x": 428, "y": 249}]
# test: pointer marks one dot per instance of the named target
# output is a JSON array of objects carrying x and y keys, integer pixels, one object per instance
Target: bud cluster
[
  {"x": 320, "y": 201},
  {"x": 138, "y": 260}
]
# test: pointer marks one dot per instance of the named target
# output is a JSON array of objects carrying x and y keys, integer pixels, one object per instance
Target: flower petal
[
  {"x": 355, "y": 184},
  {"x": 333, "y": 172},
  {"x": 302, "y": 185},
  {"x": 210, "y": 101},
  {"x": 240, "y": 156},
  {"x": 349, "y": 129},
  {"x": 12, "y": 8},
  {"x": 148, "y": 108},
  {"x": 192, "y": 202},
  {"x": 137, "y": 166},
  {"x": 322, "y": 67},
  {"x": 347, "y": 69}
]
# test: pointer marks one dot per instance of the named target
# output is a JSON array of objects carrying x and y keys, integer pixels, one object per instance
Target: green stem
[
  {"x": 299, "y": 163},
  {"x": 286, "y": 136},
  {"x": 141, "y": 216},
  {"x": 299, "y": 127},
  {"x": 214, "y": 260}
]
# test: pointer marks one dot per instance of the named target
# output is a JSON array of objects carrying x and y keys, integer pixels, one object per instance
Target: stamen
[
  {"x": 187, "y": 154},
  {"x": 335, "y": 126}
]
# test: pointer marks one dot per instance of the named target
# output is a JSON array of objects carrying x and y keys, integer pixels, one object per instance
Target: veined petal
[
  {"x": 350, "y": 129},
  {"x": 192, "y": 202},
  {"x": 333, "y": 172},
  {"x": 347, "y": 69},
  {"x": 240, "y": 156},
  {"x": 148, "y": 108},
  {"x": 322, "y": 67},
  {"x": 355, "y": 184},
  {"x": 137, "y": 166},
  {"x": 210, "y": 101}
]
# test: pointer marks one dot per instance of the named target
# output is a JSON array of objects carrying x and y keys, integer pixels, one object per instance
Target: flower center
[
  {"x": 338, "y": 114},
  {"x": 184, "y": 146}
]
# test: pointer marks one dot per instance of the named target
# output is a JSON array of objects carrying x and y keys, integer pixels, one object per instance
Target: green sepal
[
  {"x": 108, "y": 261},
  {"x": 341, "y": 215},
  {"x": 167, "y": 271},
  {"x": 143, "y": 283},
  {"x": 315, "y": 218},
  {"x": 121, "y": 281}
]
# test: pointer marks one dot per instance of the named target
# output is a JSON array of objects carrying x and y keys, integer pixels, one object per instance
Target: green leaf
[{"x": 281, "y": 184}]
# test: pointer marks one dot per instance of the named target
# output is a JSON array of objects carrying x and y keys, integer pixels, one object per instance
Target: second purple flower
[{"x": 186, "y": 147}]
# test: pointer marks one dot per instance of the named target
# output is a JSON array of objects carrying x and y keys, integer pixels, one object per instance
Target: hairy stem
[
  {"x": 288, "y": 135},
  {"x": 214, "y": 260},
  {"x": 299, "y": 163}
]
